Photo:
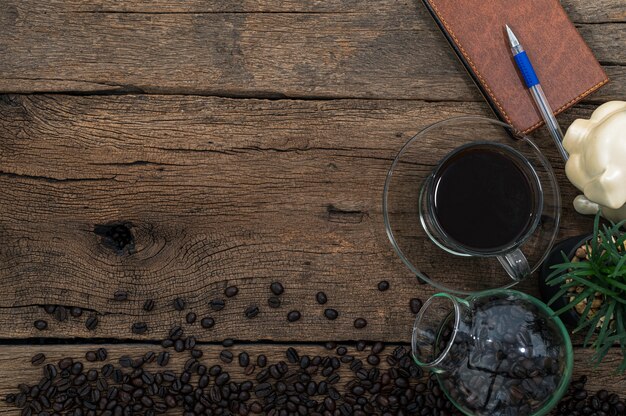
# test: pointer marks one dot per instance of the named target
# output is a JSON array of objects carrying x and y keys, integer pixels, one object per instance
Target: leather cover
[{"x": 565, "y": 65}]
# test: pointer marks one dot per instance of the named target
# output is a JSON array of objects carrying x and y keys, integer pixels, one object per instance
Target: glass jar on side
[{"x": 496, "y": 353}]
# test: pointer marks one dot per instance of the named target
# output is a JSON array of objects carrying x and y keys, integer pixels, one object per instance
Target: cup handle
[{"x": 515, "y": 264}]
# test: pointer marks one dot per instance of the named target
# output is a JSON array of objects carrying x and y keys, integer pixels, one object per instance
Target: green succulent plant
[{"x": 602, "y": 275}]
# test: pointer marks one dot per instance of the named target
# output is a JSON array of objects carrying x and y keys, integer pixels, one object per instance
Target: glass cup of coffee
[{"x": 465, "y": 200}]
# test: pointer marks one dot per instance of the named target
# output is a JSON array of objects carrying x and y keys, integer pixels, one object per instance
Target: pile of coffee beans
[
  {"x": 335, "y": 383},
  {"x": 577, "y": 402}
]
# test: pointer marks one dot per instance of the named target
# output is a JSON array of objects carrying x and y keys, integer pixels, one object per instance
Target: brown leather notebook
[{"x": 564, "y": 64}]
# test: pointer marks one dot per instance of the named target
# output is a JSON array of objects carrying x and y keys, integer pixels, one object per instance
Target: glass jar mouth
[{"x": 427, "y": 330}]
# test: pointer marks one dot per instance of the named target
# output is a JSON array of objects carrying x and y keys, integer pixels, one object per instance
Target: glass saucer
[{"x": 413, "y": 166}]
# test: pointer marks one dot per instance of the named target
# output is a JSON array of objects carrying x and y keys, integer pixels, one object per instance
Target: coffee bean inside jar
[{"x": 497, "y": 354}]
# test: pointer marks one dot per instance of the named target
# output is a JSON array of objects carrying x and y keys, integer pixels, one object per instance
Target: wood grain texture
[
  {"x": 216, "y": 192},
  {"x": 344, "y": 49},
  {"x": 16, "y": 366}
]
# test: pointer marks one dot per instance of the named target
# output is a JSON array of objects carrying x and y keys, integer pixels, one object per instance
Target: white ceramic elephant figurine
[{"x": 597, "y": 162}]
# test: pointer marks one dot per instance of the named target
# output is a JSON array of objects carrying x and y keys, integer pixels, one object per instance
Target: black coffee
[{"x": 485, "y": 197}]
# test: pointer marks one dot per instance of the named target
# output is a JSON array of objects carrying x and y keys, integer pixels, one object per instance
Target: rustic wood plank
[
  {"x": 16, "y": 366},
  {"x": 600, "y": 11},
  {"x": 383, "y": 49},
  {"x": 216, "y": 192}
]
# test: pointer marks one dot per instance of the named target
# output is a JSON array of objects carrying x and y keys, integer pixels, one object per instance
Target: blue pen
[{"x": 532, "y": 83}]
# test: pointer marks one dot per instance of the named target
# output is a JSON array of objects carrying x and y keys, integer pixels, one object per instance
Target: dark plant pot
[{"x": 568, "y": 246}]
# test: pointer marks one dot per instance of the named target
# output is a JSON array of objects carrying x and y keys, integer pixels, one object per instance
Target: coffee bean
[
  {"x": 378, "y": 347},
  {"x": 249, "y": 370},
  {"x": 383, "y": 285},
  {"x": 217, "y": 304},
  {"x": 293, "y": 316},
  {"x": 179, "y": 345},
  {"x": 222, "y": 379},
  {"x": 226, "y": 356},
  {"x": 49, "y": 309},
  {"x": 228, "y": 342},
  {"x": 244, "y": 359},
  {"x": 41, "y": 325},
  {"x": 163, "y": 358},
  {"x": 261, "y": 360},
  {"x": 76, "y": 312},
  {"x": 360, "y": 323},
  {"x": 292, "y": 355},
  {"x": 102, "y": 354},
  {"x": 60, "y": 313},
  {"x": 331, "y": 314},
  {"x": 126, "y": 361},
  {"x": 415, "y": 305},
  {"x": 273, "y": 302},
  {"x": 120, "y": 295},
  {"x": 277, "y": 288},
  {"x": 38, "y": 359},
  {"x": 179, "y": 304},
  {"x": 373, "y": 359},
  {"x": 231, "y": 291},
  {"x": 321, "y": 298},
  {"x": 263, "y": 389},
  {"x": 91, "y": 323},
  {"x": 190, "y": 318},
  {"x": 139, "y": 328},
  {"x": 251, "y": 311},
  {"x": 91, "y": 356},
  {"x": 207, "y": 322},
  {"x": 148, "y": 305}
]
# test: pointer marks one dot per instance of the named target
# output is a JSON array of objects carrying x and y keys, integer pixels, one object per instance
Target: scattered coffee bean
[
  {"x": 293, "y": 316},
  {"x": 207, "y": 322},
  {"x": 217, "y": 304},
  {"x": 321, "y": 298},
  {"x": 91, "y": 356},
  {"x": 231, "y": 291},
  {"x": 139, "y": 328},
  {"x": 148, "y": 305},
  {"x": 277, "y": 288},
  {"x": 41, "y": 325},
  {"x": 60, "y": 313},
  {"x": 415, "y": 305},
  {"x": 251, "y": 311},
  {"x": 120, "y": 296},
  {"x": 261, "y": 360},
  {"x": 163, "y": 358},
  {"x": 228, "y": 342},
  {"x": 244, "y": 359},
  {"x": 49, "y": 309},
  {"x": 373, "y": 359},
  {"x": 273, "y": 302},
  {"x": 383, "y": 285},
  {"x": 179, "y": 304},
  {"x": 226, "y": 356},
  {"x": 102, "y": 354},
  {"x": 190, "y": 318},
  {"x": 91, "y": 323},
  {"x": 38, "y": 359},
  {"x": 331, "y": 314},
  {"x": 360, "y": 323},
  {"x": 175, "y": 333},
  {"x": 76, "y": 312}
]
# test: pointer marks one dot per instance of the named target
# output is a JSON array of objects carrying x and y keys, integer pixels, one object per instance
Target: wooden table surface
[{"x": 241, "y": 142}]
